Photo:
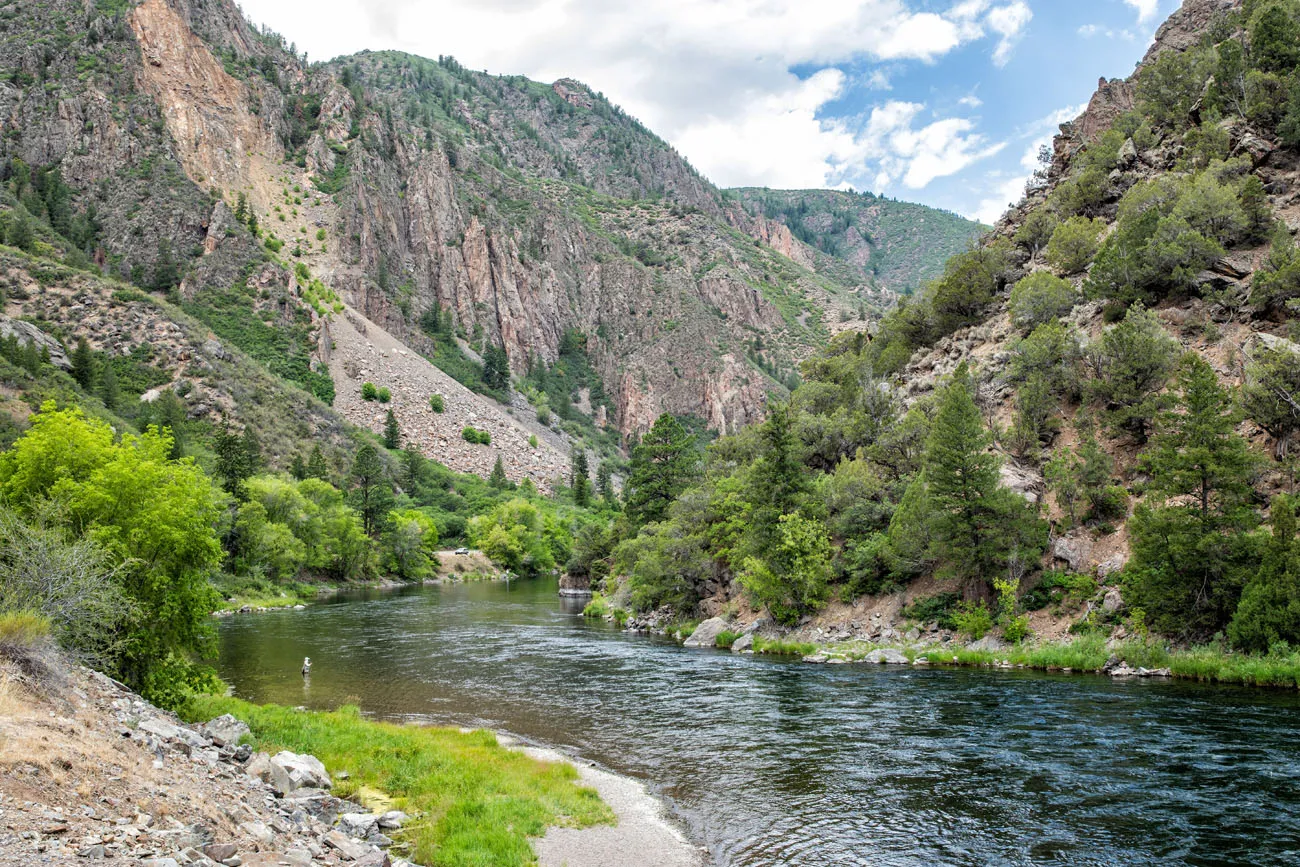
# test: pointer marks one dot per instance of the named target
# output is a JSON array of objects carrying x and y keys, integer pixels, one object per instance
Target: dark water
[{"x": 782, "y": 763}]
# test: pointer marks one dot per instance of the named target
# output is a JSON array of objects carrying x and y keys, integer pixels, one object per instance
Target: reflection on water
[{"x": 772, "y": 762}]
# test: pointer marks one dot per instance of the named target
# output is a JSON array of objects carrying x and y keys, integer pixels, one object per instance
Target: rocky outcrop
[{"x": 706, "y": 634}]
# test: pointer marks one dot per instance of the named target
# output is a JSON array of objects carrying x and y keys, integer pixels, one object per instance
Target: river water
[{"x": 769, "y": 762}]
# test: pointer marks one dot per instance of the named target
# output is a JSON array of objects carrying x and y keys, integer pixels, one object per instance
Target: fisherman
[{"x": 306, "y": 666}]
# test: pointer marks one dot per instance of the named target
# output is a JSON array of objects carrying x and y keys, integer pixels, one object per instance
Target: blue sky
[{"x": 938, "y": 101}]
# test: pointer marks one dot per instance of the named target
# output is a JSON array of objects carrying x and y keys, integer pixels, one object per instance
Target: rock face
[{"x": 706, "y": 634}]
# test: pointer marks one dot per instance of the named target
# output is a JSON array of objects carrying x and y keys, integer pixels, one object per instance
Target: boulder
[
  {"x": 225, "y": 730},
  {"x": 1022, "y": 480},
  {"x": 1128, "y": 154},
  {"x": 392, "y": 820},
  {"x": 374, "y": 859},
  {"x": 258, "y": 832},
  {"x": 706, "y": 634},
  {"x": 1113, "y": 601},
  {"x": 1110, "y": 566},
  {"x": 290, "y": 772},
  {"x": 348, "y": 849},
  {"x": 743, "y": 643},
  {"x": 887, "y": 656},
  {"x": 220, "y": 851},
  {"x": 358, "y": 825},
  {"x": 988, "y": 642},
  {"x": 1074, "y": 550}
]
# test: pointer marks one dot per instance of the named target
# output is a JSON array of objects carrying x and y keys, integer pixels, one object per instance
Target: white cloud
[
  {"x": 1088, "y": 31},
  {"x": 1146, "y": 9},
  {"x": 970, "y": 100},
  {"x": 712, "y": 78},
  {"x": 1008, "y": 22}
]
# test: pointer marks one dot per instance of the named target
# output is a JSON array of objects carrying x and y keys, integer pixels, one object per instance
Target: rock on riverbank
[{"x": 90, "y": 771}]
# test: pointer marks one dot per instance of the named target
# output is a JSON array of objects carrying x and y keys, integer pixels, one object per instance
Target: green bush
[
  {"x": 384, "y": 394},
  {"x": 1040, "y": 298},
  {"x": 1017, "y": 629},
  {"x": 474, "y": 435},
  {"x": 437, "y": 404},
  {"x": 725, "y": 639},
  {"x": 936, "y": 609},
  {"x": 1074, "y": 244},
  {"x": 368, "y": 391},
  {"x": 973, "y": 619}
]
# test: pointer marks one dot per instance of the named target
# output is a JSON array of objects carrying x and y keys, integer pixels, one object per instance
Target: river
[{"x": 772, "y": 762}]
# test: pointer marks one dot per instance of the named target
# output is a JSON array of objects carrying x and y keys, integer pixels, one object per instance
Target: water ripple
[{"x": 777, "y": 763}]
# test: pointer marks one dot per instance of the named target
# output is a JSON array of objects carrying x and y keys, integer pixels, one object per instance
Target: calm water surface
[{"x": 770, "y": 763}]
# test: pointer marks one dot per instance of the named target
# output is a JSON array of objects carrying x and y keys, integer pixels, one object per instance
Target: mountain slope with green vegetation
[
  {"x": 1081, "y": 427},
  {"x": 861, "y": 237}
]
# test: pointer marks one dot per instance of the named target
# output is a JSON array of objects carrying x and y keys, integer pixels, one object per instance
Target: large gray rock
[
  {"x": 392, "y": 820},
  {"x": 887, "y": 656},
  {"x": 28, "y": 333},
  {"x": 988, "y": 642},
  {"x": 1110, "y": 566},
  {"x": 348, "y": 849},
  {"x": 290, "y": 772},
  {"x": 1113, "y": 601},
  {"x": 226, "y": 730},
  {"x": 743, "y": 643},
  {"x": 359, "y": 825},
  {"x": 706, "y": 634},
  {"x": 1074, "y": 550}
]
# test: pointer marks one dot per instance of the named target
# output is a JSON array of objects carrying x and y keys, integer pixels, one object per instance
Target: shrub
[
  {"x": 1110, "y": 503},
  {"x": 437, "y": 404},
  {"x": 1017, "y": 629},
  {"x": 368, "y": 391},
  {"x": 320, "y": 234},
  {"x": 1074, "y": 244},
  {"x": 973, "y": 619},
  {"x": 22, "y": 630},
  {"x": 544, "y": 416},
  {"x": 1040, "y": 298},
  {"x": 937, "y": 608},
  {"x": 384, "y": 394},
  {"x": 474, "y": 435},
  {"x": 532, "y": 441},
  {"x": 725, "y": 639}
]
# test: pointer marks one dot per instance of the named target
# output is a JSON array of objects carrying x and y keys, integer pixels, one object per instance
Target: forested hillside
[{"x": 1080, "y": 426}]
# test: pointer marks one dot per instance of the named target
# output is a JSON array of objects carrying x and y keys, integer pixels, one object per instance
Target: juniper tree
[
  {"x": 83, "y": 364},
  {"x": 662, "y": 466},
  {"x": 1190, "y": 542},
  {"x": 392, "y": 433}
]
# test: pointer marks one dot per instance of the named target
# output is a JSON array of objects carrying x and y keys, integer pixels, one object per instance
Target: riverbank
[
  {"x": 1089, "y": 654},
  {"x": 473, "y": 800}
]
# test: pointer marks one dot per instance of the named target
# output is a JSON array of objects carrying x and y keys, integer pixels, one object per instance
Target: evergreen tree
[
  {"x": 1269, "y": 611},
  {"x": 498, "y": 478},
  {"x": 580, "y": 477},
  {"x": 605, "y": 483},
  {"x": 232, "y": 461},
  {"x": 1132, "y": 364},
  {"x": 975, "y": 524},
  {"x": 412, "y": 470},
  {"x": 241, "y": 209},
  {"x": 252, "y": 451},
  {"x": 1191, "y": 548},
  {"x": 1271, "y": 395},
  {"x": 368, "y": 489},
  {"x": 779, "y": 482},
  {"x": 298, "y": 467},
  {"x": 392, "y": 433},
  {"x": 166, "y": 273},
  {"x": 316, "y": 466},
  {"x": 662, "y": 466},
  {"x": 31, "y": 358},
  {"x": 83, "y": 364},
  {"x": 496, "y": 368},
  {"x": 20, "y": 233},
  {"x": 109, "y": 391}
]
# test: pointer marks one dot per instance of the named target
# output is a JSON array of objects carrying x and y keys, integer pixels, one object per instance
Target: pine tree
[
  {"x": 1190, "y": 542},
  {"x": 1269, "y": 611},
  {"x": 369, "y": 490},
  {"x": 109, "y": 391},
  {"x": 252, "y": 450},
  {"x": 31, "y": 358},
  {"x": 605, "y": 483},
  {"x": 975, "y": 523},
  {"x": 83, "y": 364},
  {"x": 412, "y": 470},
  {"x": 580, "y": 477},
  {"x": 232, "y": 461},
  {"x": 166, "y": 273},
  {"x": 20, "y": 233},
  {"x": 779, "y": 481},
  {"x": 241, "y": 209},
  {"x": 392, "y": 433},
  {"x": 498, "y": 478},
  {"x": 662, "y": 466},
  {"x": 298, "y": 467},
  {"x": 316, "y": 466}
]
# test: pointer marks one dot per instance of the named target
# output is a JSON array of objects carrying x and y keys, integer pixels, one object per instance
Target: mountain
[
  {"x": 1081, "y": 426},
  {"x": 460, "y": 213},
  {"x": 856, "y": 237}
]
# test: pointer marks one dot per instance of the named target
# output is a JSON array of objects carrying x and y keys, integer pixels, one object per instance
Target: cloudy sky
[{"x": 938, "y": 101}]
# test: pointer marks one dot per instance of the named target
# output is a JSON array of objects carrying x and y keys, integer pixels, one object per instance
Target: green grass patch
[
  {"x": 475, "y": 802},
  {"x": 725, "y": 639},
  {"x": 23, "y": 629},
  {"x": 781, "y": 647}
]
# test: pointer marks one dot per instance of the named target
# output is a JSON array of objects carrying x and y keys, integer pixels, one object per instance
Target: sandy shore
[{"x": 643, "y": 835}]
